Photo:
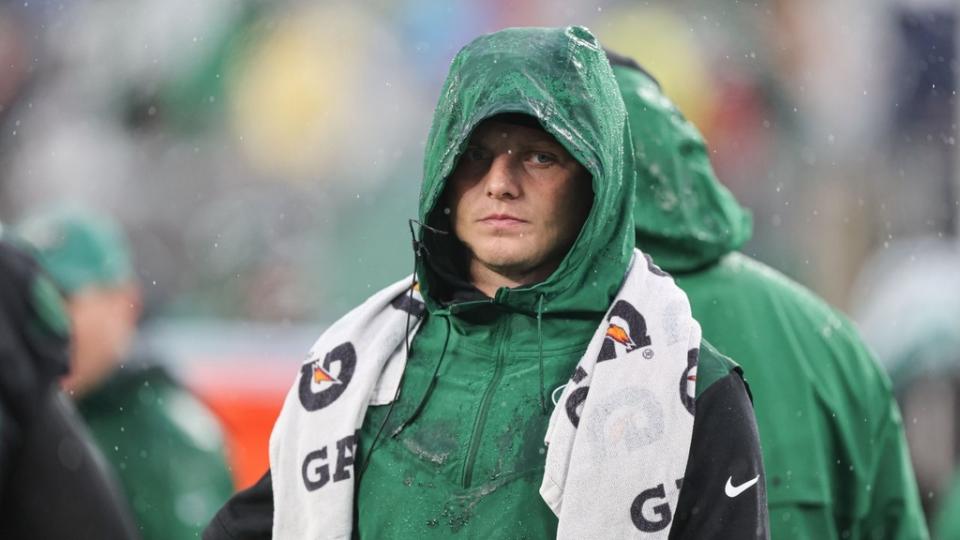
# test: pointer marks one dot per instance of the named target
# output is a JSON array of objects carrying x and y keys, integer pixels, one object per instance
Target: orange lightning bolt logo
[
  {"x": 618, "y": 334},
  {"x": 321, "y": 375}
]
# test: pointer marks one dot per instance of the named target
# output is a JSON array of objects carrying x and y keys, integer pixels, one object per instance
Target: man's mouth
[{"x": 502, "y": 220}]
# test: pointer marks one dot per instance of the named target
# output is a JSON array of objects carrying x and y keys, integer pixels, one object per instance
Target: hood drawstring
[
  {"x": 419, "y": 249},
  {"x": 433, "y": 382},
  {"x": 543, "y": 401}
]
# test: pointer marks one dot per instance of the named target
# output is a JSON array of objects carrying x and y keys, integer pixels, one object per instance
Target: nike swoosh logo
[{"x": 732, "y": 491}]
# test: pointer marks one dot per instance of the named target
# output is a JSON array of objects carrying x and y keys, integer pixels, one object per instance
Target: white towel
[
  {"x": 618, "y": 438},
  {"x": 357, "y": 361}
]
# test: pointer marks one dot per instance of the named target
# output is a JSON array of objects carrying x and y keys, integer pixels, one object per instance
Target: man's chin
[
  {"x": 512, "y": 265},
  {"x": 505, "y": 260}
]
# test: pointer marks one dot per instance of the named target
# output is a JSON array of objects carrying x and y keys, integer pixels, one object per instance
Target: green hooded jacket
[
  {"x": 461, "y": 451},
  {"x": 833, "y": 444},
  {"x": 464, "y": 442},
  {"x": 473, "y": 457}
]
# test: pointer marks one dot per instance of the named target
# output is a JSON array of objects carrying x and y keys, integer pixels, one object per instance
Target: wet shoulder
[
  {"x": 792, "y": 314},
  {"x": 712, "y": 366},
  {"x": 749, "y": 274}
]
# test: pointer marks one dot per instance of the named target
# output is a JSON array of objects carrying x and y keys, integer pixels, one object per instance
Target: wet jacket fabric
[
  {"x": 833, "y": 444},
  {"x": 460, "y": 453},
  {"x": 53, "y": 481},
  {"x": 946, "y": 522},
  {"x": 165, "y": 447}
]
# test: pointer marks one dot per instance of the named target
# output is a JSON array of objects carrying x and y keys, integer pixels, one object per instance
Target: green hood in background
[
  {"x": 835, "y": 458},
  {"x": 685, "y": 218},
  {"x": 571, "y": 91}
]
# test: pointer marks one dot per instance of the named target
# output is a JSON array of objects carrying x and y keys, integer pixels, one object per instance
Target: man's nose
[{"x": 502, "y": 180}]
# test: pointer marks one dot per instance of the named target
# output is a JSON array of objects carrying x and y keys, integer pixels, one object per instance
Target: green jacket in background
[
  {"x": 165, "y": 447},
  {"x": 833, "y": 445},
  {"x": 946, "y": 524}
]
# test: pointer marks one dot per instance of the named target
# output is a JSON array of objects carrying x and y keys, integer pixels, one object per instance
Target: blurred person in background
[
  {"x": 163, "y": 443},
  {"x": 836, "y": 460},
  {"x": 531, "y": 368},
  {"x": 54, "y": 484}
]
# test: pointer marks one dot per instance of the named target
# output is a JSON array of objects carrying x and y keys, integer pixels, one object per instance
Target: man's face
[
  {"x": 102, "y": 324},
  {"x": 517, "y": 201}
]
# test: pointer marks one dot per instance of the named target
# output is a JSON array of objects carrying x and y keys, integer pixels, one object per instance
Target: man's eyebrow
[{"x": 548, "y": 139}]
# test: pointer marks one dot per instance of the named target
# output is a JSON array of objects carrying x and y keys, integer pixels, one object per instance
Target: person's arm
[
  {"x": 723, "y": 493},
  {"x": 248, "y": 515}
]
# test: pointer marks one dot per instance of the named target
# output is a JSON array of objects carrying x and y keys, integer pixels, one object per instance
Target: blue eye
[{"x": 543, "y": 158}]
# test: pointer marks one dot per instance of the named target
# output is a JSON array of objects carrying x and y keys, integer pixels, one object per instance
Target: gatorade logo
[
  {"x": 321, "y": 384},
  {"x": 628, "y": 329}
]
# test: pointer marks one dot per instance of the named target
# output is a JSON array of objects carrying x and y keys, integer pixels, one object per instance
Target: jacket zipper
[{"x": 481, "y": 420}]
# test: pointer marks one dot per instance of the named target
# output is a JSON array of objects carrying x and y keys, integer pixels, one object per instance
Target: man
[
  {"x": 833, "y": 446},
  {"x": 533, "y": 320},
  {"x": 53, "y": 482},
  {"x": 165, "y": 446}
]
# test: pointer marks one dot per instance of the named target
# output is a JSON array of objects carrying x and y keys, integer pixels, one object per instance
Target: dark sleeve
[
  {"x": 248, "y": 515},
  {"x": 723, "y": 493},
  {"x": 60, "y": 486},
  {"x": 53, "y": 481}
]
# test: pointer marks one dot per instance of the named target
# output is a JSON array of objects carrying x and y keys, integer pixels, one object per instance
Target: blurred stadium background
[{"x": 264, "y": 157}]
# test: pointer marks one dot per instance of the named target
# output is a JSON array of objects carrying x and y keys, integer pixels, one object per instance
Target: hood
[
  {"x": 685, "y": 219},
  {"x": 561, "y": 77}
]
